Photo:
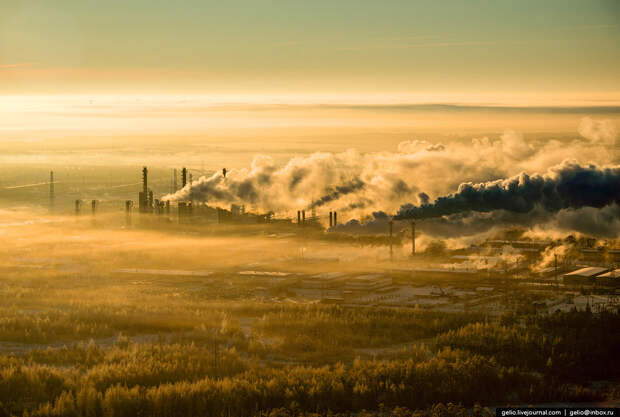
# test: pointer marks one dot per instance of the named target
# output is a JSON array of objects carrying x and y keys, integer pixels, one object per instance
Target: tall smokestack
[
  {"x": 93, "y": 212},
  {"x": 51, "y": 190},
  {"x": 335, "y": 219},
  {"x": 174, "y": 181},
  {"x": 412, "y": 238},
  {"x": 298, "y": 217},
  {"x": 303, "y": 216},
  {"x": 143, "y": 197},
  {"x": 184, "y": 177},
  {"x": 181, "y": 211},
  {"x": 191, "y": 192},
  {"x": 145, "y": 180},
  {"x": 128, "y": 206},
  {"x": 391, "y": 251},
  {"x": 331, "y": 219}
]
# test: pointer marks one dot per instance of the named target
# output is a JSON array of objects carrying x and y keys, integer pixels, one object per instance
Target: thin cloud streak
[
  {"x": 22, "y": 64},
  {"x": 423, "y": 45}
]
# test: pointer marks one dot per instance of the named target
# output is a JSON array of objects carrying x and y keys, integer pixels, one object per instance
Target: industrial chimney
[
  {"x": 143, "y": 196},
  {"x": 331, "y": 219},
  {"x": 183, "y": 177},
  {"x": 128, "y": 206},
  {"x": 335, "y": 219},
  {"x": 145, "y": 185},
  {"x": 93, "y": 207},
  {"x": 181, "y": 211},
  {"x": 191, "y": 191}
]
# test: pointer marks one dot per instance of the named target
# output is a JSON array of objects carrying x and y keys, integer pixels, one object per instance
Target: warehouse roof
[
  {"x": 590, "y": 271},
  {"x": 611, "y": 274}
]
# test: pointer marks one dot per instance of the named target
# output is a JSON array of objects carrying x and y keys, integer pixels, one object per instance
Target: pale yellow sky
[
  {"x": 296, "y": 76},
  {"x": 479, "y": 50}
]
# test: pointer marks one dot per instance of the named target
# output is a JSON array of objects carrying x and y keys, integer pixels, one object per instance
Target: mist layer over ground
[
  {"x": 159, "y": 317},
  {"x": 156, "y": 319},
  {"x": 316, "y": 157}
]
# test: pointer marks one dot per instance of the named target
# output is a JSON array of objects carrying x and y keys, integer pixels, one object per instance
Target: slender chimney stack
[
  {"x": 191, "y": 191},
  {"x": 183, "y": 177},
  {"x": 303, "y": 216},
  {"x": 145, "y": 180},
  {"x": 331, "y": 219},
  {"x": 335, "y": 219},
  {"x": 93, "y": 211},
  {"x": 181, "y": 211},
  {"x": 143, "y": 196},
  {"x": 412, "y": 238},
  {"x": 128, "y": 206},
  {"x": 298, "y": 217},
  {"x": 174, "y": 181}
]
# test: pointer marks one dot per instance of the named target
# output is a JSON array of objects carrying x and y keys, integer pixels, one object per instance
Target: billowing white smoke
[
  {"x": 357, "y": 184},
  {"x": 561, "y": 254}
]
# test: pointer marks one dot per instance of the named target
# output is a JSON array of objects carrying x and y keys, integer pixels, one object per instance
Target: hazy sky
[{"x": 488, "y": 50}]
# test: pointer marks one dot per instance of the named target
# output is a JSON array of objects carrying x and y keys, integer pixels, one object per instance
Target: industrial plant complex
[{"x": 482, "y": 275}]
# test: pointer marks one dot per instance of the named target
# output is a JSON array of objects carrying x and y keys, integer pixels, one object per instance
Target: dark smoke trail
[
  {"x": 568, "y": 185},
  {"x": 338, "y": 191}
]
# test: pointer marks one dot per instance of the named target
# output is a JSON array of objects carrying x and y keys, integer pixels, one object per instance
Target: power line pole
[
  {"x": 391, "y": 249},
  {"x": 413, "y": 238},
  {"x": 555, "y": 261}
]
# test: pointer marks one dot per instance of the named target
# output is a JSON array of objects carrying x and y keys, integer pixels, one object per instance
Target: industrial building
[
  {"x": 483, "y": 260},
  {"x": 583, "y": 276},
  {"x": 348, "y": 284},
  {"x": 445, "y": 272},
  {"x": 368, "y": 283},
  {"x": 328, "y": 280},
  {"x": 609, "y": 279}
]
